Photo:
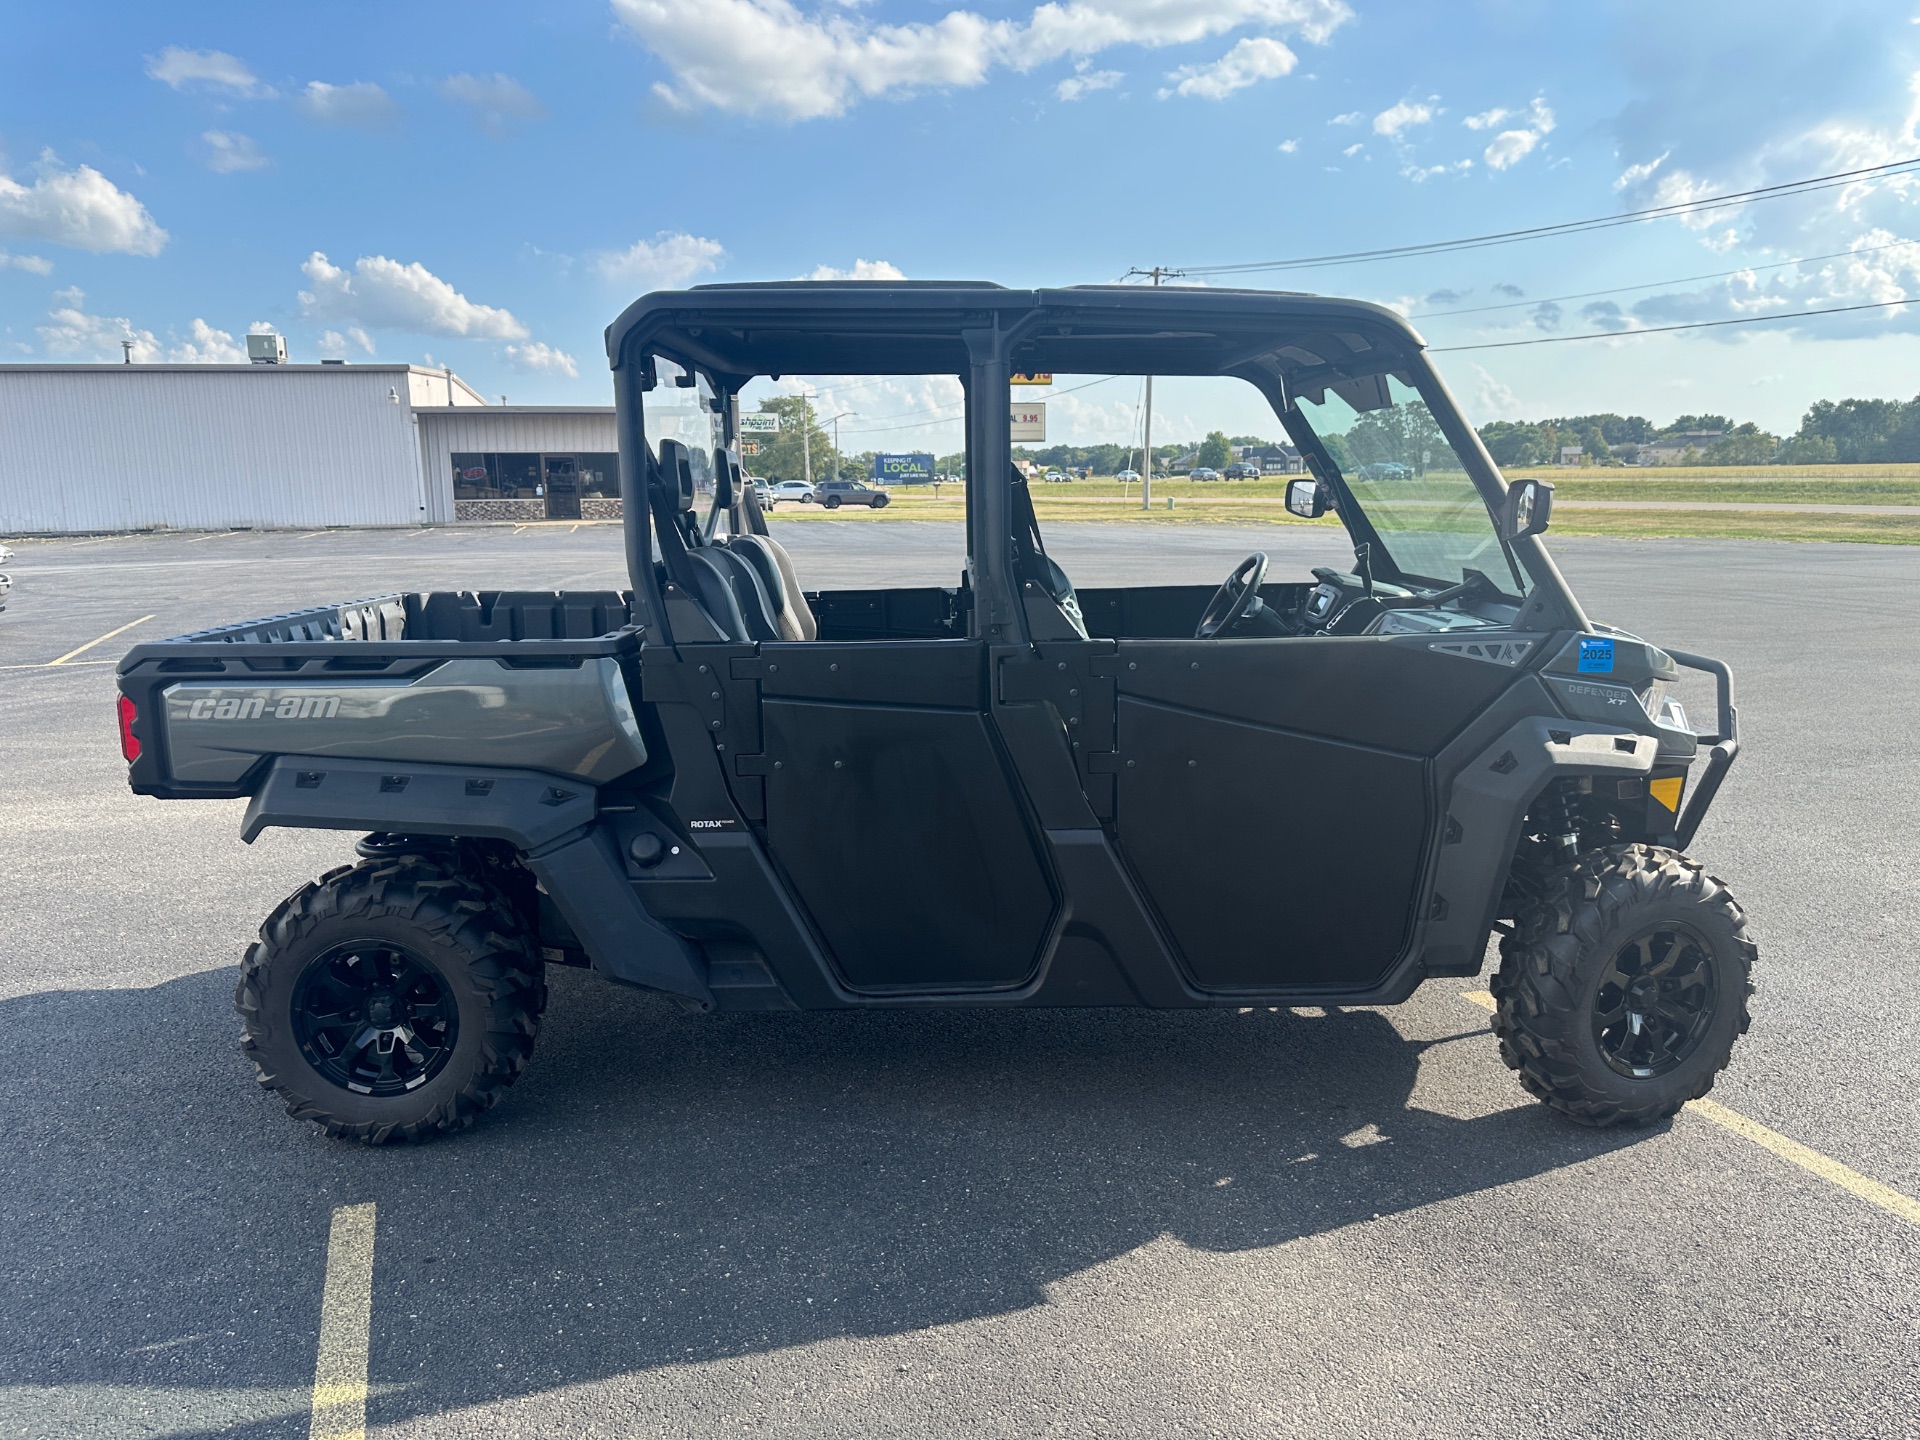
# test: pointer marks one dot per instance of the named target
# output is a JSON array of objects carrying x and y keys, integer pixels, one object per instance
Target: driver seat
[{"x": 791, "y": 614}]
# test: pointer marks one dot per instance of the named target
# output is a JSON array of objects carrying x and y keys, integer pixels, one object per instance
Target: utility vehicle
[{"x": 733, "y": 788}]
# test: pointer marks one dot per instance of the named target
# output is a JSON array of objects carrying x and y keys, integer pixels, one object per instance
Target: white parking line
[{"x": 346, "y": 1319}]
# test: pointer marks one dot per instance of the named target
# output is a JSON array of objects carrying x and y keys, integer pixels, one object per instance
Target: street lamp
[{"x": 835, "y": 422}]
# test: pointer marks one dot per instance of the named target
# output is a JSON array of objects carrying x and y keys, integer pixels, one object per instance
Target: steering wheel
[{"x": 1238, "y": 598}]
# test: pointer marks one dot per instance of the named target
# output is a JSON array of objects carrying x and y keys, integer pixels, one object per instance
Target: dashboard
[{"x": 1338, "y": 604}]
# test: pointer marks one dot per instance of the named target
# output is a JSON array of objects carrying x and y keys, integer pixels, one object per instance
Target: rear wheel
[
  {"x": 1622, "y": 990},
  {"x": 832, "y": 502},
  {"x": 879, "y": 502},
  {"x": 391, "y": 1000}
]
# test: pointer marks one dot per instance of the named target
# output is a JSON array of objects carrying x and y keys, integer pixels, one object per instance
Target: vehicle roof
[{"x": 917, "y": 327}]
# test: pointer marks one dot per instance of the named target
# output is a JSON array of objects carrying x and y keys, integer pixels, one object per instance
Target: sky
[{"x": 486, "y": 186}]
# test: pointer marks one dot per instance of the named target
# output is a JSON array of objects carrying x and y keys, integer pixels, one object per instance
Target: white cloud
[
  {"x": 1486, "y": 119},
  {"x": 208, "y": 346},
  {"x": 807, "y": 65},
  {"x": 1418, "y": 173},
  {"x": 71, "y": 333},
  {"x": 1510, "y": 147},
  {"x": 1085, "y": 80},
  {"x": 1287, "y": 147},
  {"x": 362, "y": 104},
  {"x": 667, "y": 262},
  {"x": 333, "y": 345},
  {"x": 862, "y": 270},
  {"x": 80, "y": 208},
  {"x": 1252, "y": 60},
  {"x": 214, "y": 69},
  {"x": 1634, "y": 174},
  {"x": 228, "y": 151},
  {"x": 495, "y": 99},
  {"x": 383, "y": 294},
  {"x": 536, "y": 357},
  {"x": 32, "y": 264},
  {"x": 1352, "y": 117},
  {"x": 1396, "y": 118},
  {"x": 1353, "y": 150}
]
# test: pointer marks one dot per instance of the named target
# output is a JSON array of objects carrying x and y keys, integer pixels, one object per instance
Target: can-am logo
[{"x": 255, "y": 707}]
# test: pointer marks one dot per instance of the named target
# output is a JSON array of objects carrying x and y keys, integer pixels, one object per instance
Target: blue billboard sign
[{"x": 903, "y": 469}]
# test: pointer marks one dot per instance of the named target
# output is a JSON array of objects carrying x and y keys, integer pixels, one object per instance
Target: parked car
[
  {"x": 1058, "y": 477},
  {"x": 1203, "y": 473},
  {"x": 798, "y": 490},
  {"x": 6, "y": 580},
  {"x": 1383, "y": 470},
  {"x": 1127, "y": 477},
  {"x": 761, "y": 492},
  {"x": 1243, "y": 470},
  {"x": 835, "y": 493}
]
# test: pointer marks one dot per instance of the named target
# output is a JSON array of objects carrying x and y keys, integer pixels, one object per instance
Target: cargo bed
[{"x": 537, "y": 680}]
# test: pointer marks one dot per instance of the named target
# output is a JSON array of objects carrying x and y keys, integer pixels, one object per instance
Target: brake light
[{"x": 129, "y": 742}]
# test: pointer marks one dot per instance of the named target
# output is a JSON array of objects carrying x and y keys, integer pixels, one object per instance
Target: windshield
[
  {"x": 679, "y": 406},
  {"x": 1410, "y": 482}
]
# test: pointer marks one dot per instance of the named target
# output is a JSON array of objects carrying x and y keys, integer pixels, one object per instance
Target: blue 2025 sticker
[{"x": 1596, "y": 657}]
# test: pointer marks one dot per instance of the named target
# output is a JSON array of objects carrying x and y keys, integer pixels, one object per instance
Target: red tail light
[{"x": 129, "y": 742}]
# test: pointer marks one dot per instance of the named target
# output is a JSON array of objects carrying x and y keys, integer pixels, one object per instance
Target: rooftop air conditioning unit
[{"x": 268, "y": 349}]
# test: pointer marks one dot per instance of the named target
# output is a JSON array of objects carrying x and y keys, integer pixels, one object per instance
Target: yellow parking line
[
  {"x": 1812, "y": 1161},
  {"x": 101, "y": 641},
  {"x": 346, "y": 1317},
  {"x": 76, "y": 665},
  {"x": 1792, "y": 1151}
]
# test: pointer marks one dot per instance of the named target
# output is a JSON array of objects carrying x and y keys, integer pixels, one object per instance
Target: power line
[
  {"x": 1808, "y": 186},
  {"x": 1656, "y": 284},
  {"x": 1665, "y": 329}
]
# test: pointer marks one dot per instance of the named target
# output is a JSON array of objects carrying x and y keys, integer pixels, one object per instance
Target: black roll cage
[{"x": 1283, "y": 343}]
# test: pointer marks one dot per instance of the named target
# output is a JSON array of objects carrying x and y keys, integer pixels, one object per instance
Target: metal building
[{"x": 96, "y": 448}]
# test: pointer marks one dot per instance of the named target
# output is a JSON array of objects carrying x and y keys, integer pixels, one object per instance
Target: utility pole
[
  {"x": 806, "y": 435},
  {"x": 1157, "y": 273}
]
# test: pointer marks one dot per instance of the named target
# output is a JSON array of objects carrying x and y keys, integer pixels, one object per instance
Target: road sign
[
  {"x": 765, "y": 422},
  {"x": 1032, "y": 380},
  {"x": 1029, "y": 422},
  {"x": 912, "y": 469}
]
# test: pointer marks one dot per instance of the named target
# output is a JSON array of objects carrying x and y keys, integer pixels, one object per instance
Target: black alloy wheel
[
  {"x": 1655, "y": 1003},
  {"x": 1623, "y": 985},
  {"x": 374, "y": 1018}
]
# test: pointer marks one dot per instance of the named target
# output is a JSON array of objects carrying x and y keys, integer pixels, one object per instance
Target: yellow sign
[
  {"x": 1667, "y": 791},
  {"x": 1033, "y": 380},
  {"x": 749, "y": 447}
]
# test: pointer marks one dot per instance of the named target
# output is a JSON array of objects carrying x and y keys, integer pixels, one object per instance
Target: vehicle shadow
[{"x": 662, "y": 1188}]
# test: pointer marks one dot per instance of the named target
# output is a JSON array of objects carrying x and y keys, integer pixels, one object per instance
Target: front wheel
[
  {"x": 832, "y": 502},
  {"x": 879, "y": 502},
  {"x": 392, "y": 1000},
  {"x": 1622, "y": 990}
]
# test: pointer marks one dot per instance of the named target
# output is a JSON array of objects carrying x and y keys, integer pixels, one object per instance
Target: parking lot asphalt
[{"x": 960, "y": 1224}]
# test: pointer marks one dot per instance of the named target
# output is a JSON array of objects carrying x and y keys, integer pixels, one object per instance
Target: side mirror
[
  {"x": 1528, "y": 509},
  {"x": 1307, "y": 498}
]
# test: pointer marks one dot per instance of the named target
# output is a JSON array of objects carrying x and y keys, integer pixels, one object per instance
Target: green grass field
[{"x": 1260, "y": 502}]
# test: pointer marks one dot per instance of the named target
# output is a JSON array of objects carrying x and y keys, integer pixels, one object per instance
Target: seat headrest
[
  {"x": 726, "y": 477},
  {"x": 676, "y": 469}
]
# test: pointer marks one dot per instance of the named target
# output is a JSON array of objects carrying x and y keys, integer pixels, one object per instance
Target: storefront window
[
  {"x": 600, "y": 476},
  {"x": 474, "y": 478}
]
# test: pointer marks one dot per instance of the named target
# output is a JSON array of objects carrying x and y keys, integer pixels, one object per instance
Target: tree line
[{"x": 1832, "y": 432}]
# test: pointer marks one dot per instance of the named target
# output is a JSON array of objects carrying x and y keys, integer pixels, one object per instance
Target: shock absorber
[{"x": 1560, "y": 818}]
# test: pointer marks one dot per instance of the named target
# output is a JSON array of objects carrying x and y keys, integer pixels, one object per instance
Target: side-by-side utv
[{"x": 738, "y": 789}]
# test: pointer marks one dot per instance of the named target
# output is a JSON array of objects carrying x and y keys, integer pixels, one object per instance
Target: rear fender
[{"x": 552, "y": 823}]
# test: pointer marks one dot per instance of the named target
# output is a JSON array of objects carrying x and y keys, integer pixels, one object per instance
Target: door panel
[
  {"x": 1273, "y": 859},
  {"x": 902, "y": 835},
  {"x": 1271, "y": 797}
]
